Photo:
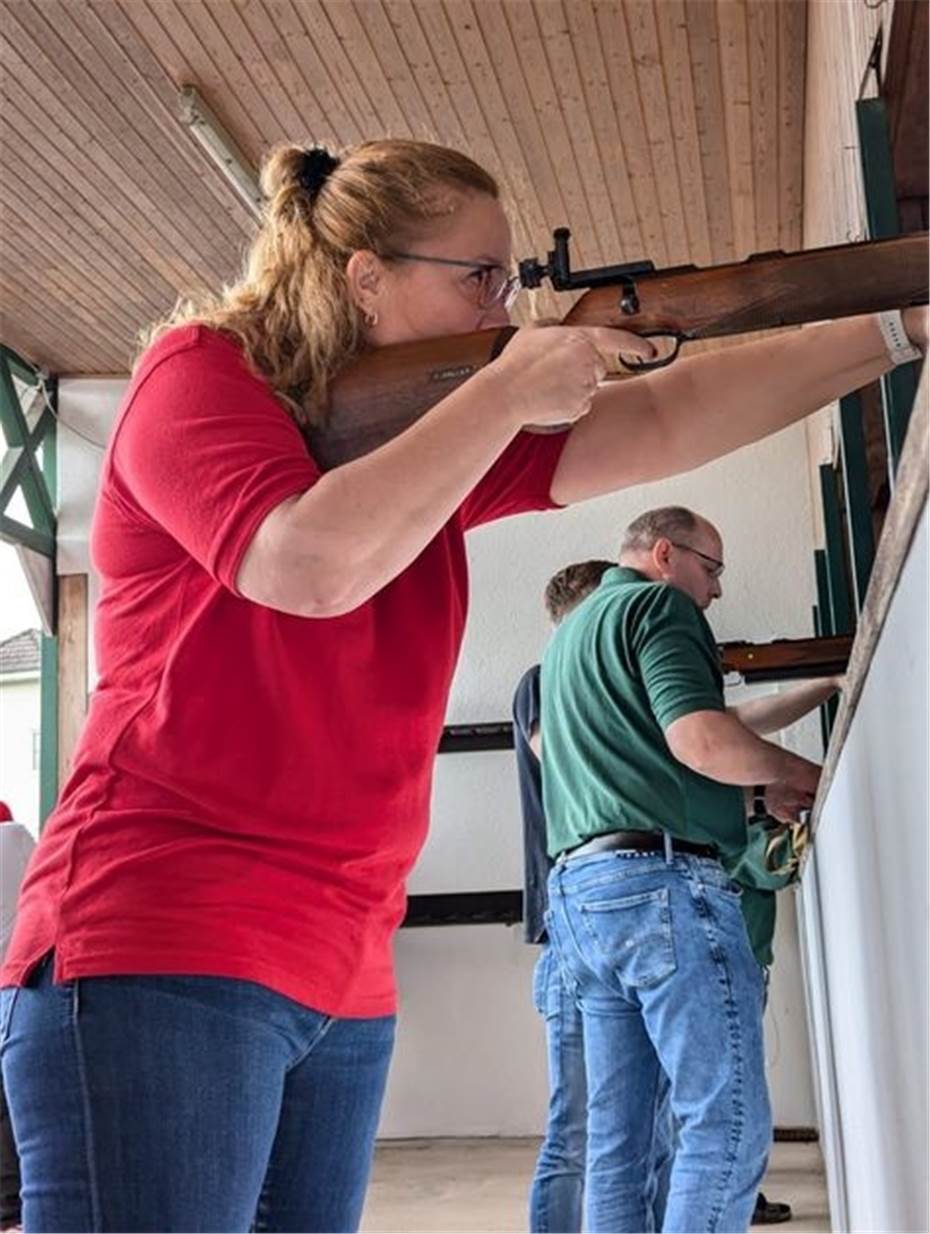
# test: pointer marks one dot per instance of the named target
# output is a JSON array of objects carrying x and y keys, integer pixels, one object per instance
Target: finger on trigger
[{"x": 612, "y": 345}]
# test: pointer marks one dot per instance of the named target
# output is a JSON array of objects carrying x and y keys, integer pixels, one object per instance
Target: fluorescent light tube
[{"x": 221, "y": 147}]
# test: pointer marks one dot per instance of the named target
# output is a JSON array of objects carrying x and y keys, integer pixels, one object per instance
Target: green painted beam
[
  {"x": 856, "y": 489},
  {"x": 41, "y": 429},
  {"x": 22, "y": 368},
  {"x": 46, "y": 431},
  {"x": 21, "y": 468},
  {"x": 877, "y": 168},
  {"x": 822, "y": 627},
  {"x": 17, "y": 434},
  {"x": 899, "y": 387},
  {"x": 48, "y": 728},
  {"x": 840, "y": 609},
  {"x": 15, "y": 532},
  {"x": 12, "y": 465}
]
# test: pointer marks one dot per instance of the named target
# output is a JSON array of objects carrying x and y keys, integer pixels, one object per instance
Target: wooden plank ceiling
[{"x": 667, "y": 129}]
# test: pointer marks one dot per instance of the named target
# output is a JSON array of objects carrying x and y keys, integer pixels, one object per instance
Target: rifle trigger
[{"x": 646, "y": 366}]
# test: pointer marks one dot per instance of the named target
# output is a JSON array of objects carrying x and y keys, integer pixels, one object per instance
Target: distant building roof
[{"x": 20, "y": 653}]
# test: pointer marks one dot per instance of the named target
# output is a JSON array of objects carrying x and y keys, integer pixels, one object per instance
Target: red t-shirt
[{"x": 250, "y": 789}]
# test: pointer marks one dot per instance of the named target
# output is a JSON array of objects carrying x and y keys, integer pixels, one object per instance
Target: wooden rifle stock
[
  {"x": 387, "y": 389},
  {"x": 787, "y": 658}
]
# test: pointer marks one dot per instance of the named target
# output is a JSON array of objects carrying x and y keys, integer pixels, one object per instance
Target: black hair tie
[{"x": 316, "y": 166}]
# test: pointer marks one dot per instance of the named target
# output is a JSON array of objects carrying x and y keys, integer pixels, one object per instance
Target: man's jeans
[
  {"x": 558, "y": 1182},
  {"x": 188, "y": 1103},
  {"x": 659, "y": 961},
  {"x": 557, "y": 1192}
]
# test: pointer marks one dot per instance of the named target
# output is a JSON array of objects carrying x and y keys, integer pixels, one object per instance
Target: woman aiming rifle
[{"x": 200, "y": 1005}]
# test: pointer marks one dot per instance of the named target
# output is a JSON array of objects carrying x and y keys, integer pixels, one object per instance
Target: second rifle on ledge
[
  {"x": 387, "y": 389},
  {"x": 783, "y": 659},
  {"x": 786, "y": 659}
]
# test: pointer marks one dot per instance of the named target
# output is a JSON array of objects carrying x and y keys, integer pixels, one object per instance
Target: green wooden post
[
  {"x": 823, "y": 709},
  {"x": 48, "y": 725},
  {"x": 823, "y": 625},
  {"x": 856, "y": 489},
  {"x": 824, "y": 618},
  {"x": 29, "y": 479},
  {"x": 900, "y": 385},
  {"x": 29, "y": 467},
  {"x": 840, "y": 610}
]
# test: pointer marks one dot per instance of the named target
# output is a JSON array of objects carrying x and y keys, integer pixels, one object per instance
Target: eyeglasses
[
  {"x": 718, "y": 565},
  {"x": 493, "y": 285}
]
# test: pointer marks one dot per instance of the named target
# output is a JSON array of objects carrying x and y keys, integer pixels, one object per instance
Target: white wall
[
  {"x": 872, "y": 867},
  {"x": 470, "y": 1056},
  {"x": 86, "y": 409}
]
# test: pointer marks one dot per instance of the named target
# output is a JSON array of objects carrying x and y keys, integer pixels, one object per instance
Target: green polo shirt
[
  {"x": 759, "y": 885},
  {"x": 630, "y": 659},
  {"x": 759, "y": 914}
]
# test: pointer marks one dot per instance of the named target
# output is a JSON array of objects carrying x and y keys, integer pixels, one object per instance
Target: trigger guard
[{"x": 647, "y": 366}]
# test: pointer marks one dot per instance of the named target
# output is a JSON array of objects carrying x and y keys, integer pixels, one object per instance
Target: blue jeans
[
  {"x": 188, "y": 1103},
  {"x": 557, "y": 1192},
  {"x": 666, "y": 982},
  {"x": 558, "y": 1182}
]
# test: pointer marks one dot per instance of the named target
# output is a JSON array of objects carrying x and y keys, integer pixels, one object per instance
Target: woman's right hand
[{"x": 552, "y": 372}]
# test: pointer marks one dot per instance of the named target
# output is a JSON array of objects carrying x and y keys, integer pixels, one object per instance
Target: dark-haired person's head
[{"x": 572, "y": 584}]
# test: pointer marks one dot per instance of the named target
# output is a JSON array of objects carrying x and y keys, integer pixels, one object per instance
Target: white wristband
[{"x": 900, "y": 348}]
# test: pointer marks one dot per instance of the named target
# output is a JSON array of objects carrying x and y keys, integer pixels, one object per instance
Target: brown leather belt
[{"x": 641, "y": 842}]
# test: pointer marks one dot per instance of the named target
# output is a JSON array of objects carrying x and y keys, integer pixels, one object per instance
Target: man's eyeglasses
[
  {"x": 493, "y": 285},
  {"x": 718, "y": 566}
]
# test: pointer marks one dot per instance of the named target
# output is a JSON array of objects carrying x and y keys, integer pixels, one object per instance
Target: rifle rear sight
[{"x": 557, "y": 269}]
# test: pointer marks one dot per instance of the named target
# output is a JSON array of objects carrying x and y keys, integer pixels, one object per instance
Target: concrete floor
[{"x": 481, "y": 1185}]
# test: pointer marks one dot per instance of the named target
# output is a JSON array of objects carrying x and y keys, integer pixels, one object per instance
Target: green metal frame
[
  {"x": 48, "y": 727},
  {"x": 855, "y": 475},
  {"x": 838, "y": 602},
  {"x": 823, "y": 626},
  {"x": 30, "y": 466},
  {"x": 20, "y": 467},
  {"x": 900, "y": 385}
]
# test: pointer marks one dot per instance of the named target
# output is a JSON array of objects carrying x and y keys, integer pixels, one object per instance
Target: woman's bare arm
[{"x": 704, "y": 406}]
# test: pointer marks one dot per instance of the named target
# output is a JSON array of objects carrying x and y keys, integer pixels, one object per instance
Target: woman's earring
[{"x": 371, "y": 319}]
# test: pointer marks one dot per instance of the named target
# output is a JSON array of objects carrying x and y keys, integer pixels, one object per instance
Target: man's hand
[{"x": 785, "y": 800}]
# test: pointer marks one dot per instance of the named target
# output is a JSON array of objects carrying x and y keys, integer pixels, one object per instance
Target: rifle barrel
[{"x": 767, "y": 291}]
